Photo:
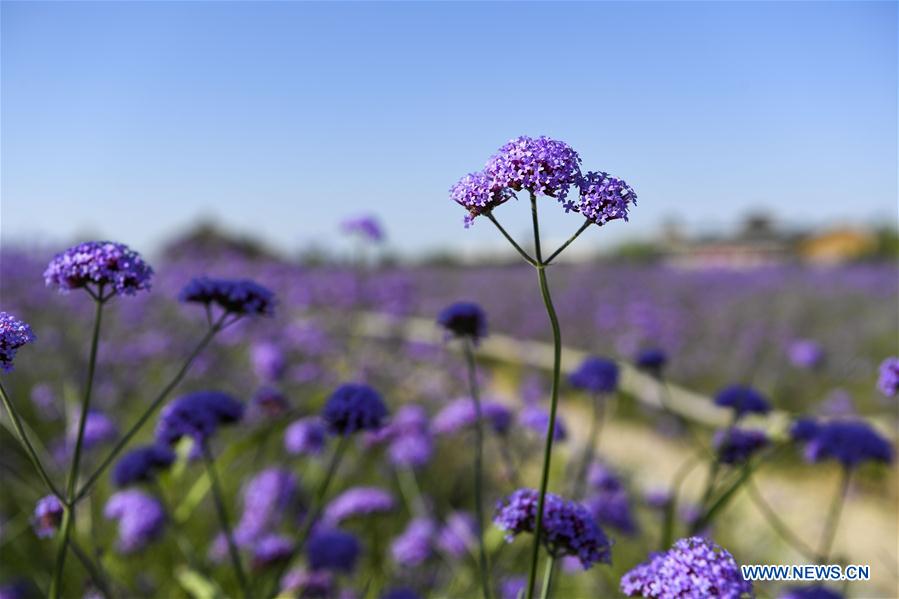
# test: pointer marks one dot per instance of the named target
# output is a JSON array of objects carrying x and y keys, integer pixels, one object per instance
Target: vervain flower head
[
  {"x": 14, "y": 333},
  {"x": 93, "y": 265}
]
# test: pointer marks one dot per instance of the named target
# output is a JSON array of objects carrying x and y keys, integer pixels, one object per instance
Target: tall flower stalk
[
  {"x": 468, "y": 322},
  {"x": 543, "y": 167}
]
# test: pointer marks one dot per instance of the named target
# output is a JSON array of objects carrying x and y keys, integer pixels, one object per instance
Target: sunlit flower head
[
  {"x": 13, "y": 334},
  {"x": 95, "y": 265}
]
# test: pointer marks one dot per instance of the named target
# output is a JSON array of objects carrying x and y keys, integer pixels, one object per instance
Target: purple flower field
[{"x": 208, "y": 425}]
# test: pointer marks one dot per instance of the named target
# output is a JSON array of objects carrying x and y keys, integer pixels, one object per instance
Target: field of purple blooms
[{"x": 228, "y": 426}]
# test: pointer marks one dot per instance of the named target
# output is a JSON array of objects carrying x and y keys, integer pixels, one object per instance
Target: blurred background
[{"x": 237, "y": 139}]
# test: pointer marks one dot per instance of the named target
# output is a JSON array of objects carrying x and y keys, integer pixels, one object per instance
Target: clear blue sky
[{"x": 130, "y": 120}]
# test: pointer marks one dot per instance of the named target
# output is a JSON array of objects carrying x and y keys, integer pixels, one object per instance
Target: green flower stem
[
  {"x": 554, "y": 400},
  {"x": 219, "y": 499},
  {"x": 723, "y": 499},
  {"x": 567, "y": 243},
  {"x": 548, "y": 577},
  {"x": 778, "y": 525},
  {"x": 596, "y": 422},
  {"x": 93, "y": 570},
  {"x": 671, "y": 509},
  {"x": 26, "y": 444},
  {"x": 151, "y": 409},
  {"x": 69, "y": 515},
  {"x": 833, "y": 516},
  {"x": 524, "y": 254},
  {"x": 478, "y": 466},
  {"x": 315, "y": 509}
]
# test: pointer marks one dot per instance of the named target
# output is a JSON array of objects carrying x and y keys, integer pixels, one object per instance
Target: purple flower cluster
[
  {"x": 536, "y": 419},
  {"x": 548, "y": 167},
  {"x": 464, "y": 319},
  {"x": 694, "y": 568},
  {"x": 271, "y": 549},
  {"x": 888, "y": 381},
  {"x": 358, "y": 501},
  {"x": 95, "y": 264},
  {"x": 140, "y": 463},
  {"x": 850, "y": 442},
  {"x": 366, "y": 227},
  {"x": 13, "y": 334},
  {"x": 98, "y": 429},
  {"x": 268, "y": 402},
  {"x": 197, "y": 415},
  {"x": 736, "y": 446},
  {"x": 540, "y": 165},
  {"x": 416, "y": 544},
  {"x": 742, "y": 400},
  {"x": 305, "y": 436},
  {"x": 141, "y": 518},
  {"x": 458, "y": 535},
  {"x": 608, "y": 500},
  {"x": 603, "y": 198},
  {"x": 47, "y": 516},
  {"x": 596, "y": 375},
  {"x": 805, "y": 353},
  {"x": 313, "y": 584},
  {"x": 332, "y": 549},
  {"x": 240, "y": 297},
  {"x": 651, "y": 360},
  {"x": 354, "y": 407},
  {"x": 478, "y": 194},
  {"x": 461, "y": 413},
  {"x": 266, "y": 498},
  {"x": 568, "y": 527}
]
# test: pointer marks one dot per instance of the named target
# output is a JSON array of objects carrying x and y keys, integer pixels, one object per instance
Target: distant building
[
  {"x": 757, "y": 244},
  {"x": 838, "y": 246}
]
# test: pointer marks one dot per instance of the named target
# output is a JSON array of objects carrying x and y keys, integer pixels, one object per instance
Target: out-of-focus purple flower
[
  {"x": 850, "y": 442},
  {"x": 354, "y": 407},
  {"x": 803, "y": 429},
  {"x": 810, "y": 592},
  {"x": 14, "y": 333},
  {"x": 308, "y": 584},
  {"x": 694, "y": 568},
  {"x": 140, "y": 463},
  {"x": 412, "y": 450},
  {"x": 464, "y": 319},
  {"x": 94, "y": 264},
  {"x": 603, "y": 198},
  {"x": 241, "y": 297},
  {"x": 736, "y": 446},
  {"x": 358, "y": 501},
  {"x": 416, "y": 544},
  {"x": 657, "y": 499},
  {"x": 837, "y": 403},
  {"x": 888, "y": 381},
  {"x": 461, "y": 413},
  {"x": 536, "y": 419},
  {"x": 305, "y": 436},
  {"x": 596, "y": 375},
  {"x": 568, "y": 528},
  {"x": 805, "y": 353},
  {"x": 478, "y": 193},
  {"x": 540, "y": 165},
  {"x": 400, "y": 593},
  {"x": 268, "y": 361},
  {"x": 43, "y": 397},
  {"x": 271, "y": 549},
  {"x": 651, "y": 360},
  {"x": 458, "y": 535},
  {"x": 609, "y": 502},
  {"x": 742, "y": 400},
  {"x": 332, "y": 549},
  {"x": 266, "y": 498},
  {"x": 512, "y": 587},
  {"x": 270, "y": 402},
  {"x": 141, "y": 518},
  {"x": 197, "y": 415},
  {"x": 366, "y": 227},
  {"x": 47, "y": 516},
  {"x": 98, "y": 429},
  {"x": 17, "y": 589}
]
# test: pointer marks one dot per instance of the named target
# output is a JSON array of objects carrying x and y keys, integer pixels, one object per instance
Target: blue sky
[{"x": 130, "y": 120}]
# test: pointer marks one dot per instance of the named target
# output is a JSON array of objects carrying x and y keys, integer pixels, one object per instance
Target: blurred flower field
[{"x": 247, "y": 434}]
